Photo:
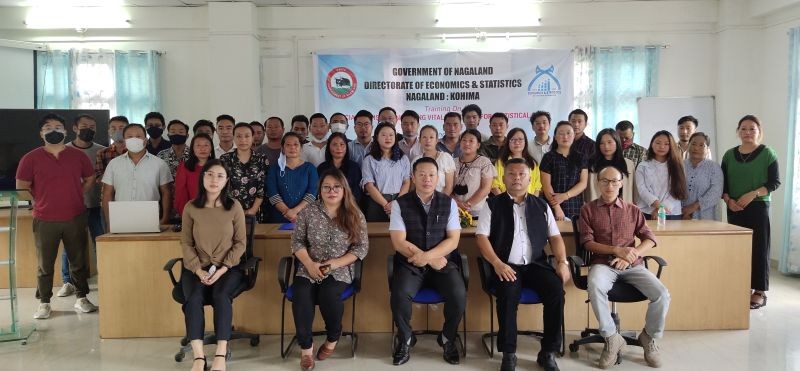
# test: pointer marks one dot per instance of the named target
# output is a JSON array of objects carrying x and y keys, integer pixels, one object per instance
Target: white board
[
  {"x": 662, "y": 113},
  {"x": 16, "y": 78}
]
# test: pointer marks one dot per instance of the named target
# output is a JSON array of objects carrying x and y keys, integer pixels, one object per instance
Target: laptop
[{"x": 133, "y": 217}]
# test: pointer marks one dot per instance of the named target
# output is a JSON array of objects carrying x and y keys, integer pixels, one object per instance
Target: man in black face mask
[
  {"x": 173, "y": 156},
  {"x": 154, "y": 125},
  {"x": 179, "y": 151},
  {"x": 84, "y": 127},
  {"x": 58, "y": 176}
]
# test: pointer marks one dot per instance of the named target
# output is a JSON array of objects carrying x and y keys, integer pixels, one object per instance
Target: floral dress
[{"x": 246, "y": 180}]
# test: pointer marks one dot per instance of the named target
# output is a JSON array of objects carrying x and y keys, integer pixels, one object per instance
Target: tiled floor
[{"x": 69, "y": 341}]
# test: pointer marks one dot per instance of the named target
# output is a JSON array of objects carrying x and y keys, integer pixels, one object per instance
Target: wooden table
[{"x": 708, "y": 277}]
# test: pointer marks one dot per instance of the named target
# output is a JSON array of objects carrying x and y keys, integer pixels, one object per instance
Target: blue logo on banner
[{"x": 545, "y": 83}]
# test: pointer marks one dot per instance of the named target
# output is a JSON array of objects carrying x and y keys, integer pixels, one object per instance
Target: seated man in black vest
[
  {"x": 513, "y": 229},
  {"x": 425, "y": 229}
]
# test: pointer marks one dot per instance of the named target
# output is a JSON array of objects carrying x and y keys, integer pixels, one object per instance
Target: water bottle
[{"x": 662, "y": 217}]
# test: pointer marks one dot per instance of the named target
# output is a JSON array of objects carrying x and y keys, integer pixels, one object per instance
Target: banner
[{"x": 433, "y": 82}]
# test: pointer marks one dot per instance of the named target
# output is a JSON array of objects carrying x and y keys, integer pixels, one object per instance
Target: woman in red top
[{"x": 187, "y": 175}]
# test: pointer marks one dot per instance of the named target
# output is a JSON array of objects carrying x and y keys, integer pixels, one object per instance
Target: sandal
[
  {"x": 763, "y": 303},
  {"x": 219, "y": 355}
]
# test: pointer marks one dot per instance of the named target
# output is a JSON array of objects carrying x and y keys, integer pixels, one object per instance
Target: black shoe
[
  {"x": 451, "y": 354},
  {"x": 509, "y": 362},
  {"x": 402, "y": 352},
  {"x": 547, "y": 360}
]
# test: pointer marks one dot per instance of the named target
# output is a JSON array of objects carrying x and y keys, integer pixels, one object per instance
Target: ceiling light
[{"x": 55, "y": 17}]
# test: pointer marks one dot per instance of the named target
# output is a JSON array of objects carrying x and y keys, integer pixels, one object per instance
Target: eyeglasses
[
  {"x": 335, "y": 189},
  {"x": 213, "y": 175},
  {"x": 614, "y": 182}
]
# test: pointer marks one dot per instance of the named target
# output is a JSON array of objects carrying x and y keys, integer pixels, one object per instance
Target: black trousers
[
  {"x": 328, "y": 295},
  {"x": 756, "y": 217},
  {"x": 549, "y": 287},
  {"x": 47, "y": 236},
  {"x": 407, "y": 280},
  {"x": 221, "y": 295}
]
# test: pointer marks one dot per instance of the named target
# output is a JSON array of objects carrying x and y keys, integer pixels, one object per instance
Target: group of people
[{"x": 330, "y": 186}]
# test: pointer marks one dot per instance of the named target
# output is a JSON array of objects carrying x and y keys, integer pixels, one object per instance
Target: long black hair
[
  {"x": 192, "y": 161},
  {"x": 224, "y": 198},
  {"x": 617, "y": 160},
  {"x": 677, "y": 178},
  {"x": 329, "y": 157},
  {"x": 376, "y": 152},
  {"x": 505, "y": 150}
]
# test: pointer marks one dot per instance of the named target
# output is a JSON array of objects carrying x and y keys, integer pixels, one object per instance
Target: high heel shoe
[
  {"x": 219, "y": 355},
  {"x": 205, "y": 362}
]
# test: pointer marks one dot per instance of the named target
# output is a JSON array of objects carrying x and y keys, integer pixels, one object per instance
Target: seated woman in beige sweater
[{"x": 213, "y": 242}]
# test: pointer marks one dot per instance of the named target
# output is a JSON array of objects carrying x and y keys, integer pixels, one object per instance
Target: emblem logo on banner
[
  {"x": 341, "y": 82},
  {"x": 545, "y": 83}
]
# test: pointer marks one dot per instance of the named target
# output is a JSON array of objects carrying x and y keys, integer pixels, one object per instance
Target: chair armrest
[
  {"x": 660, "y": 261},
  {"x": 357, "y": 267},
  {"x": 251, "y": 264},
  {"x": 284, "y": 270},
  {"x": 168, "y": 267},
  {"x": 465, "y": 270},
  {"x": 250, "y": 268},
  {"x": 575, "y": 265}
]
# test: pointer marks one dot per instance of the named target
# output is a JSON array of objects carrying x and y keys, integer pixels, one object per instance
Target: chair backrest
[
  {"x": 580, "y": 281},
  {"x": 250, "y": 274},
  {"x": 486, "y": 273},
  {"x": 250, "y": 227}
]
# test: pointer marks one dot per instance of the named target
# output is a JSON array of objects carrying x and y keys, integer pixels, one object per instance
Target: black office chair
[
  {"x": 621, "y": 292},
  {"x": 429, "y": 296},
  {"x": 249, "y": 264},
  {"x": 529, "y": 296},
  {"x": 286, "y": 270}
]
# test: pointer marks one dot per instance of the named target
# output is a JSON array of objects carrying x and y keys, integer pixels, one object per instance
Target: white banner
[{"x": 433, "y": 82}]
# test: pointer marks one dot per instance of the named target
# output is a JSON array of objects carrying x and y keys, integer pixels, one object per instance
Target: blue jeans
[{"x": 96, "y": 228}]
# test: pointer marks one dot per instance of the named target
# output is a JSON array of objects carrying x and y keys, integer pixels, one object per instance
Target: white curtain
[
  {"x": 790, "y": 251},
  {"x": 584, "y": 84}
]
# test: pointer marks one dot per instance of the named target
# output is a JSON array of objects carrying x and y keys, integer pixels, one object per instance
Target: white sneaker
[
  {"x": 43, "y": 312},
  {"x": 84, "y": 305},
  {"x": 66, "y": 290}
]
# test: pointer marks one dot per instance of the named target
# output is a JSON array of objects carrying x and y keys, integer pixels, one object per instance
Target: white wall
[{"x": 735, "y": 50}]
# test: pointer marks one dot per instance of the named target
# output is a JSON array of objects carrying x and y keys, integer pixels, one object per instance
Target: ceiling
[{"x": 8, "y": 3}]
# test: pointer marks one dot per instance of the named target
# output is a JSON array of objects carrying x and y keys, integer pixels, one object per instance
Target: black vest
[
  {"x": 425, "y": 230},
  {"x": 501, "y": 230}
]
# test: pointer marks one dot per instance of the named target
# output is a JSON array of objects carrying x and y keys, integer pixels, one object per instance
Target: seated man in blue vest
[
  {"x": 512, "y": 231},
  {"x": 425, "y": 228}
]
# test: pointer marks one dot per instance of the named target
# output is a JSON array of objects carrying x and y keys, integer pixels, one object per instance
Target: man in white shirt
[
  {"x": 540, "y": 144},
  {"x": 409, "y": 124},
  {"x": 225, "y": 124},
  {"x": 137, "y": 175},
  {"x": 512, "y": 232},
  {"x": 314, "y": 150}
]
